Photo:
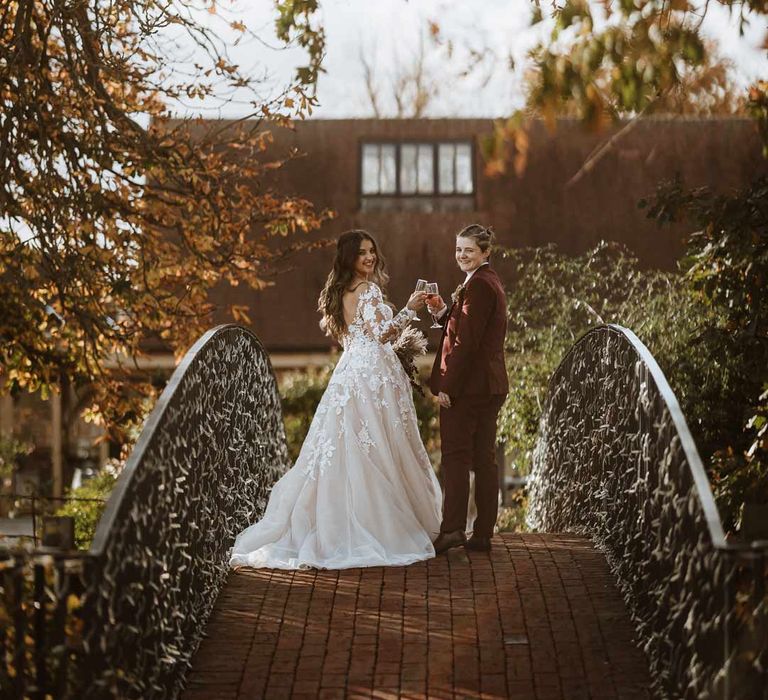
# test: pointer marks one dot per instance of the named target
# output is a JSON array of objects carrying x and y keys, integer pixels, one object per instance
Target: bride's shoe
[{"x": 449, "y": 540}]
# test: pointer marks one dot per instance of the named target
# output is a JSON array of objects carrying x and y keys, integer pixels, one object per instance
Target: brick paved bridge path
[{"x": 540, "y": 617}]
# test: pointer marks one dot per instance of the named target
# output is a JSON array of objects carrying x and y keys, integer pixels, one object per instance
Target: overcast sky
[{"x": 387, "y": 33}]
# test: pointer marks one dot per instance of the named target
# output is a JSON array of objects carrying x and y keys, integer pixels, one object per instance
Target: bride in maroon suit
[{"x": 469, "y": 378}]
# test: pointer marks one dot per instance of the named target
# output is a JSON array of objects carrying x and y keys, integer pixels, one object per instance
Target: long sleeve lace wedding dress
[{"x": 362, "y": 491}]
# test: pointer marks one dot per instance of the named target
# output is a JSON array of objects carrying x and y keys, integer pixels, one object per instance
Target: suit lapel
[{"x": 453, "y": 306}]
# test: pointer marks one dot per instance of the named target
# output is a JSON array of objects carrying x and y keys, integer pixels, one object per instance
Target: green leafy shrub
[
  {"x": 740, "y": 474},
  {"x": 512, "y": 518},
  {"x": 87, "y": 513},
  {"x": 727, "y": 265},
  {"x": 300, "y": 393},
  {"x": 717, "y": 375},
  {"x": 428, "y": 417},
  {"x": 11, "y": 448},
  {"x": 555, "y": 298}
]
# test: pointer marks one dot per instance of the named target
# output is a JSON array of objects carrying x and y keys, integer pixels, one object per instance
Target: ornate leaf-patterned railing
[
  {"x": 200, "y": 472},
  {"x": 131, "y": 611},
  {"x": 615, "y": 460}
]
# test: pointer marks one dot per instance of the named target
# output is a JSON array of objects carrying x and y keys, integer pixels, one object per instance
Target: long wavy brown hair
[{"x": 331, "y": 304}]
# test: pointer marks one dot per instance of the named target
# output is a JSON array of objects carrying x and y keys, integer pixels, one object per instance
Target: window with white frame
[{"x": 414, "y": 169}]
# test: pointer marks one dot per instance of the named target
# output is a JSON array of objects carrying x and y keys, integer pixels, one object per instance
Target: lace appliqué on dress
[
  {"x": 377, "y": 316},
  {"x": 365, "y": 438},
  {"x": 319, "y": 457}
]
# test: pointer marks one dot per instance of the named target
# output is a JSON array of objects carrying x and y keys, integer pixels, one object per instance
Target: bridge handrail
[
  {"x": 153, "y": 421},
  {"x": 199, "y": 473},
  {"x": 615, "y": 459},
  {"x": 688, "y": 444}
]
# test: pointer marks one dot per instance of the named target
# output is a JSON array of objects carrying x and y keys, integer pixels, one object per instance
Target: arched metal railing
[
  {"x": 615, "y": 460},
  {"x": 124, "y": 619},
  {"x": 200, "y": 472}
]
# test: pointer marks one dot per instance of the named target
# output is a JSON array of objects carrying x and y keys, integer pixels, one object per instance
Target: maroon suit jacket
[{"x": 470, "y": 358}]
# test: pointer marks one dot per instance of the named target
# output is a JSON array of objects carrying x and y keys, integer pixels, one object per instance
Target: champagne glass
[
  {"x": 432, "y": 291},
  {"x": 421, "y": 285}
]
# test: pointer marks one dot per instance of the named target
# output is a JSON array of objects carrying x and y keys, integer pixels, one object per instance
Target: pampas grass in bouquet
[{"x": 408, "y": 345}]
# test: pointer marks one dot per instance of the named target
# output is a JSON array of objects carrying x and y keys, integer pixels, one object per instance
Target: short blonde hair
[{"x": 482, "y": 235}]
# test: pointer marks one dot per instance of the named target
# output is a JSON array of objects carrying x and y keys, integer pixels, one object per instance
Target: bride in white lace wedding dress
[{"x": 362, "y": 491}]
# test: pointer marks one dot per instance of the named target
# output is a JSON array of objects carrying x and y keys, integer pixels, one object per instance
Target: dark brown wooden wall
[{"x": 532, "y": 210}]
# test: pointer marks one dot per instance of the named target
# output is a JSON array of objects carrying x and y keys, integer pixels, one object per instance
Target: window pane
[
  {"x": 464, "y": 168},
  {"x": 370, "y": 169},
  {"x": 426, "y": 169},
  {"x": 445, "y": 165},
  {"x": 387, "y": 180},
  {"x": 408, "y": 168}
]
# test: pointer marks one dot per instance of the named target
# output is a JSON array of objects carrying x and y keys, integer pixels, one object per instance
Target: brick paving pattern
[{"x": 540, "y": 617}]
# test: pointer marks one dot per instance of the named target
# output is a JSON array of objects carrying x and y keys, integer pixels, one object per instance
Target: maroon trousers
[{"x": 468, "y": 442}]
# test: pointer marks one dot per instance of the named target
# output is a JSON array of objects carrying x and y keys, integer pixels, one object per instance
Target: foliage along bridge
[{"x": 627, "y": 589}]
